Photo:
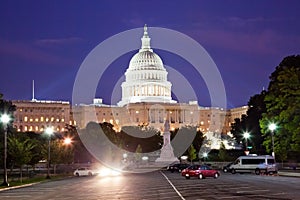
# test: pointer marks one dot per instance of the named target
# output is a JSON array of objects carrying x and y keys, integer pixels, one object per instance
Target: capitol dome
[
  {"x": 146, "y": 60},
  {"x": 146, "y": 77}
]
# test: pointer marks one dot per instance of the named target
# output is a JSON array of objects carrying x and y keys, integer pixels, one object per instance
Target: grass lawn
[{"x": 35, "y": 179}]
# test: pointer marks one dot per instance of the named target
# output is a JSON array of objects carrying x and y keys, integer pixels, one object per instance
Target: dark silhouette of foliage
[
  {"x": 192, "y": 153},
  {"x": 283, "y": 108},
  {"x": 80, "y": 152},
  {"x": 250, "y": 123},
  {"x": 6, "y": 107}
]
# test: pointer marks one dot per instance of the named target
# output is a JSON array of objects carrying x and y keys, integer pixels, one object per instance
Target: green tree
[
  {"x": 192, "y": 153},
  {"x": 149, "y": 138},
  {"x": 250, "y": 123},
  {"x": 38, "y": 142},
  {"x": 186, "y": 135},
  {"x": 283, "y": 108},
  {"x": 60, "y": 153},
  {"x": 198, "y": 140},
  {"x": 238, "y": 128},
  {"x": 256, "y": 109},
  {"x": 20, "y": 152},
  {"x": 138, "y": 152},
  {"x": 205, "y": 149},
  {"x": 223, "y": 155},
  {"x": 81, "y": 154}
]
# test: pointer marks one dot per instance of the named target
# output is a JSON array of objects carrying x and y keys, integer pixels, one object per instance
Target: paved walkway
[{"x": 289, "y": 173}]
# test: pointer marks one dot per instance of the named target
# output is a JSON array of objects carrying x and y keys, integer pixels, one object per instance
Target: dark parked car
[
  {"x": 226, "y": 168},
  {"x": 178, "y": 167},
  {"x": 200, "y": 171}
]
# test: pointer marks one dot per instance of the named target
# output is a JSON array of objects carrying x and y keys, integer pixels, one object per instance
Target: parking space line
[
  {"x": 173, "y": 186},
  {"x": 229, "y": 197},
  {"x": 252, "y": 191}
]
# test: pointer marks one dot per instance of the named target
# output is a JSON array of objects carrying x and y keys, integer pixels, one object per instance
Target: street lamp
[
  {"x": 67, "y": 141},
  {"x": 246, "y": 136},
  {"x": 49, "y": 132},
  {"x": 5, "y": 120},
  {"x": 205, "y": 155},
  {"x": 272, "y": 128}
]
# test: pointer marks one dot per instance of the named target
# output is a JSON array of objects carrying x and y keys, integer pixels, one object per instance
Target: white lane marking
[
  {"x": 252, "y": 191},
  {"x": 16, "y": 196},
  {"x": 173, "y": 186}
]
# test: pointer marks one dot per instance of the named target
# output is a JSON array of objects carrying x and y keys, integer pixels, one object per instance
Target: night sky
[{"x": 47, "y": 41}]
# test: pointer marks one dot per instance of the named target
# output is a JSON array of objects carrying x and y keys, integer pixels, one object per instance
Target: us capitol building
[{"x": 146, "y": 101}]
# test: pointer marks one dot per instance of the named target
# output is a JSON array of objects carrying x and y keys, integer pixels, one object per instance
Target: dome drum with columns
[{"x": 146, "y": 77}]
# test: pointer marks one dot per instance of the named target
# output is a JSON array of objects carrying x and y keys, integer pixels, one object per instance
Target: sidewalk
[{"x": 290, "y": 173}]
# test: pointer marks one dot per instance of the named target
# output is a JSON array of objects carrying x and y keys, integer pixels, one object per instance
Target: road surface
[{"x": 161, "y": 185}]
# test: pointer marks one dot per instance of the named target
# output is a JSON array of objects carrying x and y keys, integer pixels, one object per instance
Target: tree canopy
[
  {"x": 250, "y": 123},
  {"x": 20, "y": 151},
  {"x": 192, "y": 153},
  {"x": 283, "y": 108}
]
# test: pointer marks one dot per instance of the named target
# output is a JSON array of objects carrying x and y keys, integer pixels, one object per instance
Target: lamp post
[
  {"x": 49, "y": 132},
  {"x": 272, "y": 128},
  {"x": 205, "y": 155},
  {"x": 246, "y": 136},
  {"x": 5, "y": 120}
]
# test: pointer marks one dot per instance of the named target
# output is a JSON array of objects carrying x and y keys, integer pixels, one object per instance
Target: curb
[
  {"x": 31, "y": 184},
  {"x": 289, "y": 174},
  {"x": 19, "y": 186}
]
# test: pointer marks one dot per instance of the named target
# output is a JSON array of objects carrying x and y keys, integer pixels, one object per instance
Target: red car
[{"x": 200, "y": 171}]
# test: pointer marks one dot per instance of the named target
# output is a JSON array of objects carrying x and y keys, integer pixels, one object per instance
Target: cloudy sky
[{"x": 47, "y": 41}]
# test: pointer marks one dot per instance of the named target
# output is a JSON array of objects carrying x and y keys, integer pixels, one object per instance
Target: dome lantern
[{"x": 145, "y": 41}]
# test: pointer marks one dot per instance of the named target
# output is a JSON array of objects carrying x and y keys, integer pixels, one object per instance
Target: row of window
[
  {"x": 153, "y": 120},
  {"x": 179, "y": 113},
  {"x": 147, "y": 76},
  {"x": 41, "y": 119},
  {"x": 162, "y": 120},
  {"x": 41, "y": 110},
  {"x": 148, "y": 90},
  {"x": 161, "y": 111},
  {"x": 153, "y": 112},
  {"x": 38, "y": 128},
  {"x": 107, "y": 113}
]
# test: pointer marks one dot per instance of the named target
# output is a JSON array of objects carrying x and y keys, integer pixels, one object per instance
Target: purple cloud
[
  {"x": 254, "y": 35},
  {"x": 58, "y": 41},
  {"x": 267, "y": 42},
  {"x": 28, "y": 52}
]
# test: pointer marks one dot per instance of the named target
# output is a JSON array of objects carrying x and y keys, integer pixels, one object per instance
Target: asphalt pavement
[
  {"x": 161, "y": 185},
  {"x": 286, "y": 173}
]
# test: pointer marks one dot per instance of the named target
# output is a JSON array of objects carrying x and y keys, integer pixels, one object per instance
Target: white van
[{"x": 253, "y": 163}]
